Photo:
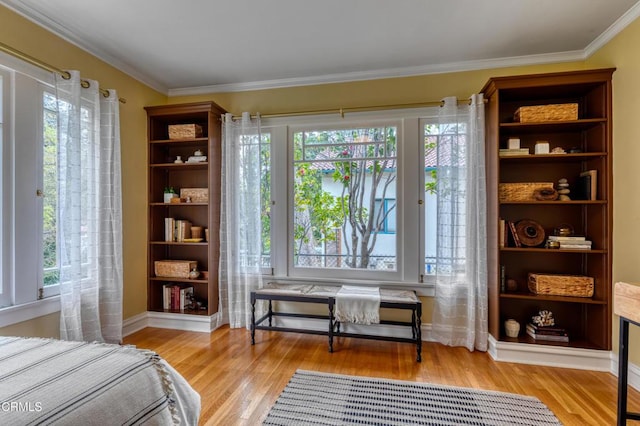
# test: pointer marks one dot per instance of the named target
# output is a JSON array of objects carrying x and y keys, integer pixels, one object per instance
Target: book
[
  {"x": 169, "y": 229},
  {"x": 186, "y": 297},
  {"x": 514, "y": 234},
  {"x": 503, "y": 279},
  {"x": 589, "y": 184},
  {"x": 571, "y": 238},
  {"x": 576, "y": 246},
  {"x": 502, "y": 234},
  {"x": 548, "y": 331},
  {"x": 546, "y": 337},
  {"x": 518, "y": 151}
]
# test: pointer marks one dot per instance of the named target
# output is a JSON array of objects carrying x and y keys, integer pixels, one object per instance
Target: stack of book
[
  {"x": 176, "y": 230},
  {"x": 572, "y": 243},
  {"x": 176, "y": 298},
  {"x": 547, "y": 333},
  {"x": 517, "y": 151}
]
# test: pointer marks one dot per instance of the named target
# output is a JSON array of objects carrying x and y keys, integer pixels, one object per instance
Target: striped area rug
[{"x": 314, "y": 398}]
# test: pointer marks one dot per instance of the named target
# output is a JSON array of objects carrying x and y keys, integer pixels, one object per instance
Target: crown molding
[
  {"x": 576, "y": 55},
  {"x": 620, "y": 24},
  {"x": 67, "y": 35}
]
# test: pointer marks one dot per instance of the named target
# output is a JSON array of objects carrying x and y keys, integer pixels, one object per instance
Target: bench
[{"x": 326, "y": 295}]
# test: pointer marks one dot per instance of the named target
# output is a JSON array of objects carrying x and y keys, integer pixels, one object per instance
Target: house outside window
[{"x": 338, "y": 174}]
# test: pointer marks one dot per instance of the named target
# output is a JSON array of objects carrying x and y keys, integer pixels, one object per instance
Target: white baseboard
[
  {"x": 633, "y": 374},
  {"x": 552, "y": 356},
  {"x": 135, "y": 323},
  {"x": 200, "y": 323}
]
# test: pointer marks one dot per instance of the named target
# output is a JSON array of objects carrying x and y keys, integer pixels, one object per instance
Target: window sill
[
  {"x": 28, "y": 311},
  {"x": 426, "y": 289}
]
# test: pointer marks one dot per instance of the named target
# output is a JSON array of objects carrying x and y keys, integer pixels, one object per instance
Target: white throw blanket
[{"x": 359, "y": 305}]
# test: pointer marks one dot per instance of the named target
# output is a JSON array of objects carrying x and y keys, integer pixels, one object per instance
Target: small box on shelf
[
  {"x": 196, "y": 195},
  {"x": 185, "y": 131},
  {"x": 174, "y": 268}
]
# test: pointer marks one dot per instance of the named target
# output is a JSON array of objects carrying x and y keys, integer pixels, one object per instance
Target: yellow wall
[
  {"x": 621, "y": 53},
  {"x": 23, "y": 35}
]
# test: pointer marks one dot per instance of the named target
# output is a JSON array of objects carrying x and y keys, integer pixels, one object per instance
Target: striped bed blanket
[{"x": 53, "y": 382}]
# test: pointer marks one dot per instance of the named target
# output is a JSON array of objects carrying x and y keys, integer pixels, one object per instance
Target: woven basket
[
  {"x": 561, "y": 285},
  {"x": 524, "y": 191},
  {"x": 541, "y": 113},
  {"x": 185, "y": 131},
  {"x": 197, "y": 195},
  {"x": 174, "y": 268}
]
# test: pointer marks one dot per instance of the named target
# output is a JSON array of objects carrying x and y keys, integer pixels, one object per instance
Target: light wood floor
[{"x": 238, "y": 382}]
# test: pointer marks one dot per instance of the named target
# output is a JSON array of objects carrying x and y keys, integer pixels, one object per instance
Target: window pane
[
  {"x": 265, "y": 196},
  {"x": 341, "y": 179},
  {"x": 431, "y": 135},
  {"x": 51, "y": 273},
  {"x": 2, "y": 219}
]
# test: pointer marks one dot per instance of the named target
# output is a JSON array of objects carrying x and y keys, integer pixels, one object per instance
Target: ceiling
[{"x": 199, "y": 46}]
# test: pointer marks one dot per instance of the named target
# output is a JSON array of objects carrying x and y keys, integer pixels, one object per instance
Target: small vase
[
  {"x": 512, "y": 328},
  {"x": 168, "y": 196},
  {"x": 194, "y": 274}
]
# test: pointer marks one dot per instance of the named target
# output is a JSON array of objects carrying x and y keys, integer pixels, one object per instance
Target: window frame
[
  {"x": 343, "y": 273},
  {"x": 22, "y": 242},
  {"x": 411, "y": 215}
]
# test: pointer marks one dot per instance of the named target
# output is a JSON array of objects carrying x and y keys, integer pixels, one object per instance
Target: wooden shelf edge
[
  {"x": 176, "y": 243},
  {"x": 558, "y": 203},
  {"x": 577, "y": 343},
  {"x": 185, "y": 165},
  {"x": 546, "y": 250},
  {"x": 181, "y": 312},
  {"x": 178, "y": 280},
  {"x": 565, "y": 299},
  {"x": 554, "y": 123},
  {"x": 179, "y": 141},
  {"x": 155, "y": 204},
  {"x": 558, "y": 157}
]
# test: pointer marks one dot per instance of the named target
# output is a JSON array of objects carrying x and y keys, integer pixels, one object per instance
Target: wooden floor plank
[{"x": 239, "y": 382}]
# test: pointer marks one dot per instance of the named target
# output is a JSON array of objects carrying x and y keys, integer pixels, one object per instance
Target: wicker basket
[
  {"x": 541, "y": 113},
  {"x": 561, "y": 285},
  {"x": 523, "y": 191},
  {"x": 174, "y": 268},
  {"x": 197, "y": 195},
  {"x": 185, "y": 131}
]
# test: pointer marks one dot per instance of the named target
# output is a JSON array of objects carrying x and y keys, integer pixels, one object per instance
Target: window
[
  {"x": 265, "y": 197},
  {"x": 28, "y": 177},
  {"x": 50, "y": 244},
  {"x": 338, "y": 174},
  {"x": 355, "y": 199},
  {"x": 5, "y": 294},
  {"x": 430, "y": 136}
]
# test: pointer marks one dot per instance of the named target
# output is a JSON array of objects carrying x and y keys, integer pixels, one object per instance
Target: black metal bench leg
[
  {"x": 331, "y": 301},
  {"x": 623, "y": 368},
  {"x": 253, "y": 318},
  {"x": 418, "y": 323},
  {"x": 270, "y": 312}
]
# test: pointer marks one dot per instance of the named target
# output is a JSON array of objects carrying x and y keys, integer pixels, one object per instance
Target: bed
[{"x": 48, "y": 381}]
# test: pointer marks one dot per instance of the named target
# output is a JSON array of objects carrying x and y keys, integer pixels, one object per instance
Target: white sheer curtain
[
  {"x": 89, "y": 212},
  {"x": 240, "y": 227},
  {"x": 460, "y": 312}
]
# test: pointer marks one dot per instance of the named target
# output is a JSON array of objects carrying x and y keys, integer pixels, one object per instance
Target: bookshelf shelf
[
  {"x": 587, "y": 320},
  {"x": 543, "y": 298}
]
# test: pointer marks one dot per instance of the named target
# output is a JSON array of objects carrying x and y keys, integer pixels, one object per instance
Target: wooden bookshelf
[
  {"x": 587, "y": 320},
  {"x": 164, "y": 172}
]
